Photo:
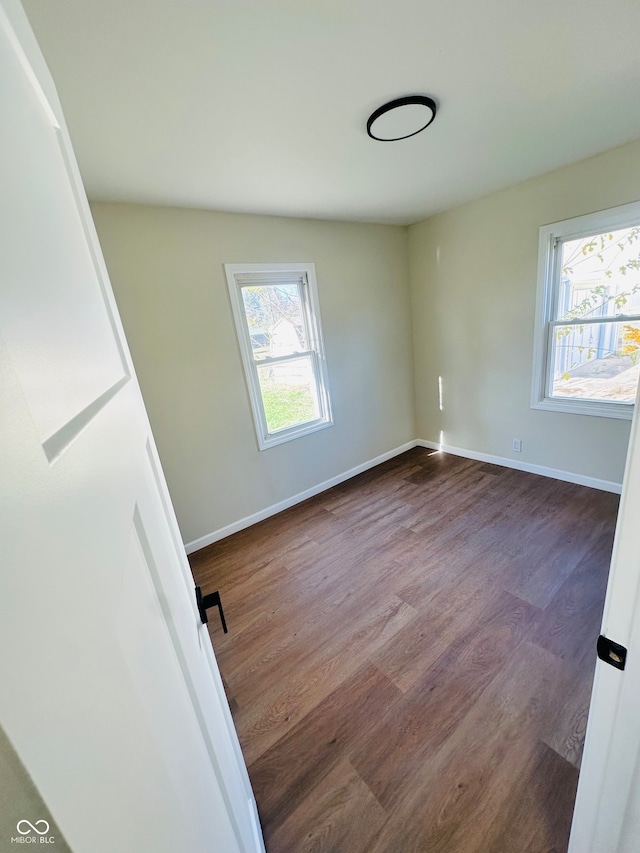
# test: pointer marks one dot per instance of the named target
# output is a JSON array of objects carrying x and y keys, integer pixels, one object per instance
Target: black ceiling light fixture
[{"x": 401, "y": 118}]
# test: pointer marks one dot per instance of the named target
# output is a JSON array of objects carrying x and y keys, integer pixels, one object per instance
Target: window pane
[
  {"x": 600, "y": 275},
  {"x": 597, "y": 361},
  {"x": 289, "y": 393},
  {"x": 275, "y": 318}
]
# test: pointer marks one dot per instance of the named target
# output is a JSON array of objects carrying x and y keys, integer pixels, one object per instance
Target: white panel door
[
  {"x": 607, "y": 812},
  {"x": 110, "y": 693}
]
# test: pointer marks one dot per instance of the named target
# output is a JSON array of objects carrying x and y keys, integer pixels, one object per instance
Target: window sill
[
  {"x": 618, "y": 411},
  {"x": 282, "y": 436}
]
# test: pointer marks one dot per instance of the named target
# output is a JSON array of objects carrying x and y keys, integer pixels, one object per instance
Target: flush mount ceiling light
[{"x": 401, "y": 118}]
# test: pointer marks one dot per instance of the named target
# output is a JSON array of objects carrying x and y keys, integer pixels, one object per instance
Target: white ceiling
[{"x": 261, "y": 105}]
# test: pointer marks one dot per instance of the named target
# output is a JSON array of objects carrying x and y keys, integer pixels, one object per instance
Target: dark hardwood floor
[{"x": 410, "y": 656}]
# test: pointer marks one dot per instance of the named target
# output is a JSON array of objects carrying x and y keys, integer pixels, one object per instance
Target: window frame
[
  {"x": 551, "y": 238},
  {"x": 303, "y": 274}
]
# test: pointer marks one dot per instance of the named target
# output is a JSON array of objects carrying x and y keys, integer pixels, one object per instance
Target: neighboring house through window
[
  {"x": 277, "y": 316},
  {"x": 587, "y": 336}
]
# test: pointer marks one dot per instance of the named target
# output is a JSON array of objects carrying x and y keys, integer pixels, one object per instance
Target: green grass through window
[{"x": 287, "y": 405}]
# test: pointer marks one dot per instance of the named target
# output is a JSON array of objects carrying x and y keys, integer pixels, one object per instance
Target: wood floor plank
[
  {"x": 538, "y": 817},
  {"x": 566, "y": 728},
  {"x": 302, "y": 599},
  {"x": 410, "y": 657},
  {"x": 482, "y": 650},
  {"x": 417, "y": 647},
  {"x": 297, "y": 762},
  {"x": 312, "y": 632},
  {"x": 569, "y": 625},
  {"x": 468, "y": 778},
  {"x": 286, "y": 701},
  {"x": 324, "y": 821}
]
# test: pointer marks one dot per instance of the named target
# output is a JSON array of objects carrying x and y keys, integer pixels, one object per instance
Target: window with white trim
[
  {"x": 277, "y": 316},
  {"x": 587, "y": 336}
]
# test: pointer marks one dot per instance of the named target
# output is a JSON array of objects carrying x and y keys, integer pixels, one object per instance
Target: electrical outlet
[{"x": 517, "y": 445}]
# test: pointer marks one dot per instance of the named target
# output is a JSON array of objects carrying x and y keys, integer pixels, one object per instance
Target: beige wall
[
  {"x": 473, "y": 285},
  {"x": 167, "y": 273},
  {"x": 469, "y": 309}
]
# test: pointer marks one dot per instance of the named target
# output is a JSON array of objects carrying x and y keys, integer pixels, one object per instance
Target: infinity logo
[{"x": 33, "y": 827}]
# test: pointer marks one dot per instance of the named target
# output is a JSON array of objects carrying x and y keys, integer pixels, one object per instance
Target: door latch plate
[{"x": 611, "y": 652}]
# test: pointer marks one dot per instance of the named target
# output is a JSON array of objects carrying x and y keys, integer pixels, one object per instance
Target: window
[
  {"x": 277, "y": 317},
  {"x": 587, "y": 338}
]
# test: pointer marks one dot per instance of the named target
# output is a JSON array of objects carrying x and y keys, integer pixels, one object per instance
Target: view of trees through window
[{"x": 596, "y": 345}]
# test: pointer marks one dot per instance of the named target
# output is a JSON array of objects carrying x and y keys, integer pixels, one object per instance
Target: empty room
[{"x": 320, "y": 340}]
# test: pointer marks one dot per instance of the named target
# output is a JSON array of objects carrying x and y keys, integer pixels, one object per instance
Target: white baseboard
[
  {"x": 555, "y": 473},
  {"x": 248, "y": 520}
]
